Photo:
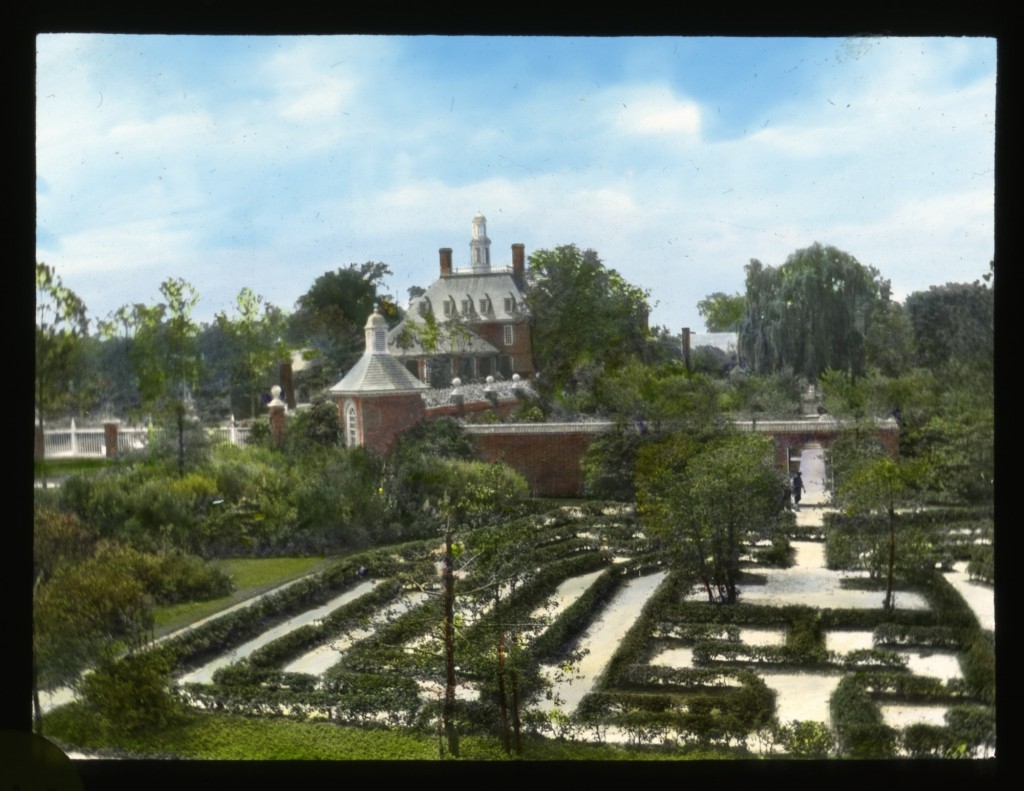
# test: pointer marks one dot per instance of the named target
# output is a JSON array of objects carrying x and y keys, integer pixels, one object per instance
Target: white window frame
[
  {"x": 351, "y": 425},
  {"x": 509, "y": 334}
]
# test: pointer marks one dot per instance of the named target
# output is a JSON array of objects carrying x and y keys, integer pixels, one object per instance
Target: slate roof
[
  {"x": 496, "y": 284},
  {"x": 378, "y": 373},
  {"x": 470, "y": 346}
]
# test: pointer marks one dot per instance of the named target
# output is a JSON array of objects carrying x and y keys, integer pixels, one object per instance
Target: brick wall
[{"x": 550, "y": 462}]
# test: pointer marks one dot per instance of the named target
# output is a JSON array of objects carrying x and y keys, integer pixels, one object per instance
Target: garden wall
[{"x": 548, "y": 455}]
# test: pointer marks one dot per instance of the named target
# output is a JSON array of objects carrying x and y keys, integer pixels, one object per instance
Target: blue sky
[{"x": 266, "y": 161}]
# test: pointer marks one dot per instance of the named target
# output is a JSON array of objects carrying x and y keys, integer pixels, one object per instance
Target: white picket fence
[{"x": 74, "y": 442}]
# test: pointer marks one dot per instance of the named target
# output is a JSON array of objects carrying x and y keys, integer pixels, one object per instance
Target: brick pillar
[
  {"x": 110, "y": 439},
  {"x": 276, "y": 408}
]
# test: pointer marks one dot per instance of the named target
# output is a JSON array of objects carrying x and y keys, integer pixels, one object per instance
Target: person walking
[{"x": 798, "y": 487}]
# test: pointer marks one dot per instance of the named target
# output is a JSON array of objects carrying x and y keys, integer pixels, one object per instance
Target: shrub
[
  {"x": 132, "y": 694},
  {"x": 807, "y": 739}
]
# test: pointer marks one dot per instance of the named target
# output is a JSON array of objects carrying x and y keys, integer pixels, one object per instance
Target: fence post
[
  {"x": 276, "y": 408},
  {"x": 110, "y": 438}
]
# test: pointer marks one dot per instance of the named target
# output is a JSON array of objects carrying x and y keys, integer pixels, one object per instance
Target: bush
[
  {"x": 858, "y": 722},
  {"x": 807, "y": 739},
  {"x": 132, "y": 694}
]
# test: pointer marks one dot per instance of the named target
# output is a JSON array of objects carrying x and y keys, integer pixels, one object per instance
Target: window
[
  {"x": 351, "y": 426},
  {"x": 448, "y": 307},
  {"x": 510, "y": 305},
  {"x": 509, "y": 335},
  {"x": 467, "y": 306},
  {"x": 485, "y": 305},
  {"x": 380, "y": 340}
]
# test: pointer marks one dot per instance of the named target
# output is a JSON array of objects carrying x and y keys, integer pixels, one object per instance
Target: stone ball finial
[
  {"x": 275, "y": 391},
  {"x": 516, "y": 377},
  {"x": 490, "y": 380},
  {"x": 456, "y": 382}
]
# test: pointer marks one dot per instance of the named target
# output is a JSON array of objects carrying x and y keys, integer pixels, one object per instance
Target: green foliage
[
  {"x": 250, "y": 344},
  {"x": 954, "y": 322},
  {"x": 982, "y": 565},
  {"x": 749, "y": 395},
  {"x": 84, "y": 610},
  {"x": 659, "y": 397},
  {"x": 805, "y": 636},
  {"x": 340, "y": 501},
  {"x": 317, "y": 426},
  {"x": 858, "y": 722},
  {"x": 722, "y": 312},
  {"x": 888, "y": 346},
  {"x": 412, "y": 461},
  {"x": 811, "y": 313},
  {"x": 132, "y": 694},
  {"x": 609, "y": 462},
  {"x": 61, "y": 328},
  {"x": 587, "y": 321},
  {"x": 331, "y": 315},
  {"x": 807, "y": 739},
  {"x": 709, "y": 502},
  {"x": 58, "y": 538}
]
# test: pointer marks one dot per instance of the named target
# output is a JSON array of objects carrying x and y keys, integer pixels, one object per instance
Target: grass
[
  {"x": 57, "y": 467},
  {"x": 224, "y": 737},
  {"x": 251, "y": 576}
]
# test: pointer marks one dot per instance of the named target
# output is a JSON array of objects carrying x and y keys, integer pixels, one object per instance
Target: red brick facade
[
  {"x": 551, "y": 463},
  {"x": 380, "y": 418}
]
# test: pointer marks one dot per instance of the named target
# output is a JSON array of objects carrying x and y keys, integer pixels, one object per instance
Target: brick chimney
[
  {"x": 446, "y": 261},
  {"x": 518, "y": 261}
]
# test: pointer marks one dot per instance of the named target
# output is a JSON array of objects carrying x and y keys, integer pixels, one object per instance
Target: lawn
[{"x": 251, "y": 576}]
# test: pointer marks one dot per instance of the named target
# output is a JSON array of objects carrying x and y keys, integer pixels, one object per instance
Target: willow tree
[{"x": 812, "y": 313}]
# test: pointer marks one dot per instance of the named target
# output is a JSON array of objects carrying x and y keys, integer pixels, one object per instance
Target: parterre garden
[{"x": 380, "y": 664}]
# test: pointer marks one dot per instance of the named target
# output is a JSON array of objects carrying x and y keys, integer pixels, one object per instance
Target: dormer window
[
  {"x": 449, "y": 308},
  {"x": 467, "y": 306},
  {"x": 510, "y": 305},
  {"x": 485, "y": 305}
]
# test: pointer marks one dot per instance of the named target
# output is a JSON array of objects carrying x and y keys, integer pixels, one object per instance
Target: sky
[{"x": 265, "y": 161}]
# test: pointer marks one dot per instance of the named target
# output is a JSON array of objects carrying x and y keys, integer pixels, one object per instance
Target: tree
[
  {"x": 707, "y": 501},
  {"x": 164, "y": 352},
  {"x": 587, "y": 320},
  {"x": 888, "y": 346},
  {"x": 254, "y": 342},
  {"x": 83, "y": 612},
  {"x": 332, "y": 314},
  {"x": 464, "y": 495},
  {"x": 61, "y": 326},
  {"x": 876, "y": 484},
  {"x": 811, "y": 313},
  {"x": 722, "y": 312},
  {"x": 646, "y": 402},
  {"x": 954, "y": 323}
]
